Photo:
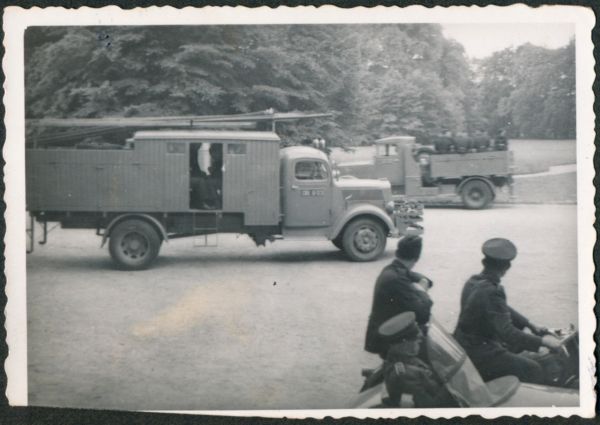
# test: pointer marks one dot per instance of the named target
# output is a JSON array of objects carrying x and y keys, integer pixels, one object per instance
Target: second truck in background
[{"x": 472, "y": 175}]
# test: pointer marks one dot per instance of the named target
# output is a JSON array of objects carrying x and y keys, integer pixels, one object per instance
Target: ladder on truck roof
[{"x": 86, "y": 127}]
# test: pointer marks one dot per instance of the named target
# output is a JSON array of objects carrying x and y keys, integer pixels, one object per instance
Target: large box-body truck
[{"x": 167, "y": 184}]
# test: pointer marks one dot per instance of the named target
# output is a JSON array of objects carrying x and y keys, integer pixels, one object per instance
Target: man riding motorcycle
[{"x": 489, "y": 330}]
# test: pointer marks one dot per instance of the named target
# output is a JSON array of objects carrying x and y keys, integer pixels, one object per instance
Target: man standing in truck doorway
[
  {"x": 397, "y": 290},
  {"x": 215, "y": 175}
]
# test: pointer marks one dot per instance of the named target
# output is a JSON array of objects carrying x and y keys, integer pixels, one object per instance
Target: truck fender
[
  {"x": 483, "y": 179},
  {"x": 157, "y": 224},
  {"x": 360, "y": 210}
]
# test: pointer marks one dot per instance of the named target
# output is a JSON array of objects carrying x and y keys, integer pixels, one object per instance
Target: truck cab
[{"x": 357, "y": 215}]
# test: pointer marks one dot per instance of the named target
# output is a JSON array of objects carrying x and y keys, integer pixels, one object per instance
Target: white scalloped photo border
[{"x": 17, "y": 19}]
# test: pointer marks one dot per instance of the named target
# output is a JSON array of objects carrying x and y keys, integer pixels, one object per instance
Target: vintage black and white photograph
[{"x": 301, "y": 210}]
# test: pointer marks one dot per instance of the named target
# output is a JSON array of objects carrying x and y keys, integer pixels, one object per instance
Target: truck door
[
  {"x": 388, "y": 164},
  {"x": 308, "y": 194}
]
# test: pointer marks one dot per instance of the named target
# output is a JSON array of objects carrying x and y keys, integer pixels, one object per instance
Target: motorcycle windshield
[{"x": 453, "y": 366}]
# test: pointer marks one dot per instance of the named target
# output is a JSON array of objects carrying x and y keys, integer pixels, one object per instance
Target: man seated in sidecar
[{"x": 404, "y": 371}]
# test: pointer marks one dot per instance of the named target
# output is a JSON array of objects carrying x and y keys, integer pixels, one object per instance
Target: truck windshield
[{"x": 311, "y": 170}]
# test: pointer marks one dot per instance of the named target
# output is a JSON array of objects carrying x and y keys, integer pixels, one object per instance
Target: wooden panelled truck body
[
  {"x": 168, "y": 184},
  {"x": 421, "y": 173}
]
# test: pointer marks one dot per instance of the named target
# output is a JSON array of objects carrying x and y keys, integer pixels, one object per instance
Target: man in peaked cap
[
  {"x": 398, "y": 289},
  {"x": 489, "y": 330},
  {"x": 404, "y": 371}
]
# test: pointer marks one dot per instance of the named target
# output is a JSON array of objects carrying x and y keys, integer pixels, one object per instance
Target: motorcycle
[{"x": 451, "y": 364}]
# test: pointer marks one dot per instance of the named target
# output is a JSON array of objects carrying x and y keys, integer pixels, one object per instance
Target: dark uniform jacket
[
  {"x": 487, "y": 324},
  {"x": 411, "y": 375},
  {"x": 394, "y": 294}
]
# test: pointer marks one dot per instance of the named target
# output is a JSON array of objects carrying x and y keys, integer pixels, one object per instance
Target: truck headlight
[{"x": 389, "y": 207}]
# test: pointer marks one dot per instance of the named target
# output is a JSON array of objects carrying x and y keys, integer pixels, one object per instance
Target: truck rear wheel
[
  {"x": 476, "y": 194},
  {"x": 364, "y": 239},
  {"x": 134, "y": 244}
]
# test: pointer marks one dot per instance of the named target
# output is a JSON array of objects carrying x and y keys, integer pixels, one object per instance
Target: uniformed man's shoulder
[
  {"x": 480, "y": 279},
  {"x": 391, "y": 273},
  {"x": 481, "y": 283},
  {"x": 389, "y": 269}
]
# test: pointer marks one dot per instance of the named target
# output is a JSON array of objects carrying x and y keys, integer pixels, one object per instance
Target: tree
[
  {"x": 378, "y": 80},
  {"x": 413, "y": 81},
  {"x": 92, "y": 72},
  {"x": 530, "y": 91}
]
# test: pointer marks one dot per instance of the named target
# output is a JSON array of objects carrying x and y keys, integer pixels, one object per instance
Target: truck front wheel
[
  {"x": 134, "y": 244},
  {"x": 476, "y": 194},
  {"x": 364, "y": 239}
]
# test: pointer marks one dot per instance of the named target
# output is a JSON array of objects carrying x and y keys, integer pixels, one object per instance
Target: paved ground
[
  {"x": 558, "y": 188},
  {"x": 239, "y": 327},
  {"x": 552, "y": 171}
]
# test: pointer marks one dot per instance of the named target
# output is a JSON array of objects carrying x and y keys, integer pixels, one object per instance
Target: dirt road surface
[{"x": 240, "y": 327}]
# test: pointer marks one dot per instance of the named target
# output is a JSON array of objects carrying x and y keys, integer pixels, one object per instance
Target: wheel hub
[
  {"x": 134, "y": 245},
  {"x": 476, "y": 195},
  {"x": 366, "y": 239}
]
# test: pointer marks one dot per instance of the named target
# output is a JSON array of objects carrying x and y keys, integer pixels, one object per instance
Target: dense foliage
[
  {"x": 378, "y": 80},
  {"x": 530, "y": 92}
]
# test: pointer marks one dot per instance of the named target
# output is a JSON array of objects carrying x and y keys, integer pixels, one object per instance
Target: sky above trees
[{"x": 482, "y": 40}]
